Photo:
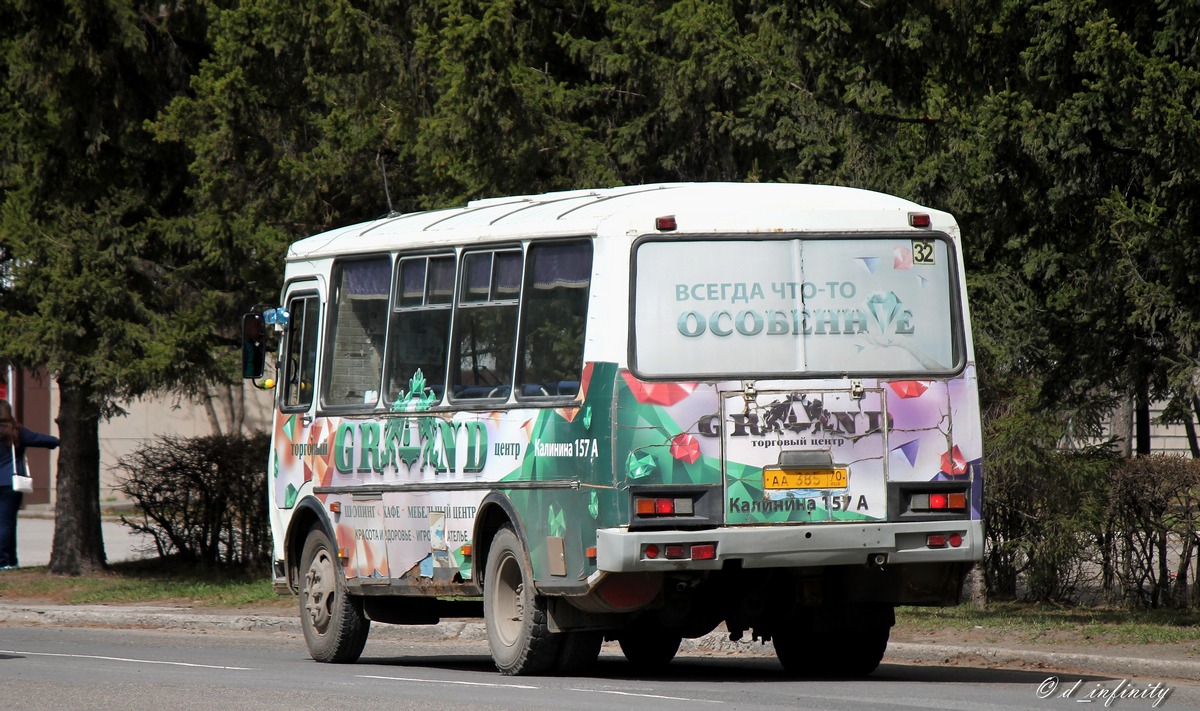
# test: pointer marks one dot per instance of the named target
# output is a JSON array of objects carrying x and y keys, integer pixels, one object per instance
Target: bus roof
[{"x": 698, "y": 208}]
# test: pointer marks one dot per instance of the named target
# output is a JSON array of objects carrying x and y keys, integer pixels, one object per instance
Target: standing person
[{"x": 13, "y": 438}]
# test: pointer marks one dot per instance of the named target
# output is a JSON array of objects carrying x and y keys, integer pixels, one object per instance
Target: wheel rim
[
  {"x": 320, "y": 587},
  {"x": 508, "y": 599}
]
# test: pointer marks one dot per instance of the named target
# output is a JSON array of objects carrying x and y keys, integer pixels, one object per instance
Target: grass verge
[
  {"x": 145, "y": 582},
  {"x": 1051, "y": 625}
]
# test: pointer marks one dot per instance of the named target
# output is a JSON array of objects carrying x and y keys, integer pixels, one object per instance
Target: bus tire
[
  {"x": 335, "y": 626},
  {"x": 851, "y": 652},
  {"x": 578, "y": 651},
  {"x": 649, "y": 651},
  {"x": 519, "y": 637}
]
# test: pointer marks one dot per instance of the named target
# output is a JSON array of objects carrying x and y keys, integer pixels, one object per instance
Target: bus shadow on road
[{"x": 744, "y": 670}]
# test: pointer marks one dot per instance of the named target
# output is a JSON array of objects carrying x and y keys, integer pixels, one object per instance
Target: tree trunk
[
  {"x": 1122, "y": 427},
  {"x": 237, "y": 399},
  {"x": 207, "y": 397},
  {"x": 975, "y": 589},
  {"x": 1143, "y": 421},
  {"x": 78, "y": 538}
]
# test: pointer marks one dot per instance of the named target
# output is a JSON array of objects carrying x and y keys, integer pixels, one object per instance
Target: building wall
[{"x": 147, "y": 419}]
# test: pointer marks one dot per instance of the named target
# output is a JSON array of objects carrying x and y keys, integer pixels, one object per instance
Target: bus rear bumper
[{"x": 619, "y": 550}]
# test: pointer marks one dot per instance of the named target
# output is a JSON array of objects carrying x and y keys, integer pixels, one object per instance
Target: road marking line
[
  {"x": 443, "y": 681},
  {"x": 646, "y": 696},
  {"x": 124, "y": 659}
]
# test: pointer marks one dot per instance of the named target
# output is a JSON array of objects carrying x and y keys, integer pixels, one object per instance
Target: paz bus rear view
[{"x": 632, "y": 414}]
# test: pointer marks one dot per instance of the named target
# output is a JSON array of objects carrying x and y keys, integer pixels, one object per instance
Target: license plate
[{"x": 805, "y": 478}]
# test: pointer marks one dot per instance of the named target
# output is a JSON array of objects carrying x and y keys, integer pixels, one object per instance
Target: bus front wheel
[
  {"x": 518, "y": 635},
  {"x": 335, "y": 626}
]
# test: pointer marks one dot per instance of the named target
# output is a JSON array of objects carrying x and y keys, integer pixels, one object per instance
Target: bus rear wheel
[
  {"x": 850, "y": 653},
  {"x": 578, "y": 651},
  {"x": 649, "y": 651},
  {"x": 335, "y": 626},
  {"x": 518, "y": 635}
]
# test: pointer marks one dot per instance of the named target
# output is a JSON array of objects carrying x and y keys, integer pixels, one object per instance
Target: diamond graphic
[
  {"x": 884, "y": 309},
  {"x": 953, "y": 462},
  {"x": 908, "y": 388},
  {"x": 556, "y": 520},
  {"x": 909, "y": 450},
  {"x": 640, "y": 465},
  {"x": 685, "y": 448},
  {"x": 902, "y": 258},
  {"x": 870, "y": 263},
  {"x": 657, "y": 393},
  {"x": 586, "y": 380}
]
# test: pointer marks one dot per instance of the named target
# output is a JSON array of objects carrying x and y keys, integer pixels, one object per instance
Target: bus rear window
[{"x": 738, "y": 307}]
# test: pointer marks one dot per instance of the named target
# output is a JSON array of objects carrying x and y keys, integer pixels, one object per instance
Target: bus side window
[
  {"x": 419, "y": 335},
  {"x": 359, "y": 314},
  {"x": 487, "y": 324},
  {"x": 554, "y": 314},
  {"x": 300, "y": 358}
]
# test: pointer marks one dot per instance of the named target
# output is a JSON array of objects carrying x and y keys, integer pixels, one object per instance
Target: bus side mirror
[{"x": 254, "y": 346}]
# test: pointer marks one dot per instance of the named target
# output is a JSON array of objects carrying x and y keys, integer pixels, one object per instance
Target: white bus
[{"x": 632, "y": 414}]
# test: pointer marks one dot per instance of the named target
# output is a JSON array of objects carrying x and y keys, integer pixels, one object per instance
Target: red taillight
[
  {"x": 706, "y": 551},
  {"x": 936, "y": 540},
  {"x": 676, "y": 552},
  {"x": 664, "y": 507},
  {"x": 651, "y": 551},
  {"x": 941, "y": 501},
  {"x": 956, "y": 540}
]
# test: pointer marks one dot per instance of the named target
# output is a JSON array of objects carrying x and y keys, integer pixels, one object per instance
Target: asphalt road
[{"x": 79, "y": 668}]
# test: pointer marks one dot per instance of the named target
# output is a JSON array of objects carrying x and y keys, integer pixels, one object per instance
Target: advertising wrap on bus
[{"x": 633, "y": 413}]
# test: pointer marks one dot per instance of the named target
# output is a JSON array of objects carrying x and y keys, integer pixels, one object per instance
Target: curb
[{"x": 473, "y": 630}]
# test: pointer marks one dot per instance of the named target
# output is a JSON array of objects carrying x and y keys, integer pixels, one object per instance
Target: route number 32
[{"x": 922, "y": 252}]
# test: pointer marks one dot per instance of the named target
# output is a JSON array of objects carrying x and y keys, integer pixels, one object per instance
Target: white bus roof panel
[{"x": 697, "y": 207}]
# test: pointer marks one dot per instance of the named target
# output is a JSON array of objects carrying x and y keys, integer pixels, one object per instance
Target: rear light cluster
[
  {"x": 942, "y": 540},
  {"x": 680, "y": 551},
  {"x": 673, "y": 507},
  {"x": 953, "y": 501},
  {"x": 663, "y": 506}
]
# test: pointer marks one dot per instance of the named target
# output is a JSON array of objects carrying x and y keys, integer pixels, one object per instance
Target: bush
[
  {"x": 202, "y": 499},
  {"x": 1152, "y": 523},
  {"x": 1041, "y": 516}
]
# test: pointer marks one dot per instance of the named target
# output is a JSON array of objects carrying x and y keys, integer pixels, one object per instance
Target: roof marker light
[
  {"x": 665, "y": 224},
  {"x": 919, "y": 219}
]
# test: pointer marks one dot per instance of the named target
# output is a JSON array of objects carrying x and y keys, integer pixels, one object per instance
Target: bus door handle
[{"x": 306, "y": 419}]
